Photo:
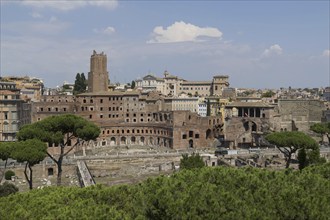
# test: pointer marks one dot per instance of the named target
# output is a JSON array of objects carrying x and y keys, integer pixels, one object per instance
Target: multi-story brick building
[
  {"x": 246, "y": 122},
  {"x": 52, "y": 105},
  {"x": 298, "y": 114},
  {"x": 127, "y": 118},
  {"x": 14, "y": 112}
]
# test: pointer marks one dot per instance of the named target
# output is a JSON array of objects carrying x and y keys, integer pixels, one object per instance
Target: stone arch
[
  {"x": 142, "y": 140},
  {"x": 191, "y": 143},
  {"x": 133, "y": 140},
  {"x": 112, "y": 141},
  {"x": 208, "y": 134},
  {"x": 254, "y": 126},
  {"x": 123, "y": 140}
]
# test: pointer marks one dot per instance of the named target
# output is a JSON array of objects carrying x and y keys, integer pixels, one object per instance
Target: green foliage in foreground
[
  {"x": 206, "y": 193},
  {"x": 191, "y": 162}
]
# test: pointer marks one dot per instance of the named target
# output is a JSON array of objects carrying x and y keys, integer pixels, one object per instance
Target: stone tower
[
  {"x": 98, "y": 77},
  {"x": 218, "y": 84}
]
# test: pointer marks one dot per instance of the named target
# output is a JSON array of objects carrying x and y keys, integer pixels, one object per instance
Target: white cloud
[
  {"x": 181, "y": 32},
  {"x": 112, "y": 4},
  {"x": 66, "y": 5},
  {"x": 326, "y": 53},
  {"x": 273, "y": 50},
  {"x": 36, "y": 15},
  {"x": 108, "y": 30}
]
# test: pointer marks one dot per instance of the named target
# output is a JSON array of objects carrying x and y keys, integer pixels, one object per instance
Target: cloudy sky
[{"x": 258, "y": 44}]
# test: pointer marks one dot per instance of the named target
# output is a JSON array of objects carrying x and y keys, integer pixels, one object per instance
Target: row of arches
[
  {"x": 214, "y": 121},
  {"x": 161, "y": 116},
  {"x": 144, "y": 131},
  {"x": 8, "y": 86},
  {"x": 213, "y": 133},
  {"x": 250, "y": 126},
  {"x": 137, "y": 140}
]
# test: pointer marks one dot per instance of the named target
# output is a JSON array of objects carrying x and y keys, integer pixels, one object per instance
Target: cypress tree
[
  {"x": 77, "y": 85},
  {"x": 208, "y": 108},
  {"x": 133, "y": 84},
  {"x": 80, "y": 84},
  {"x": 83, "y": 82}
]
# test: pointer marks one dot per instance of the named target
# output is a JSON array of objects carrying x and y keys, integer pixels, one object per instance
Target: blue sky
[{"x": 258, "y": 44}]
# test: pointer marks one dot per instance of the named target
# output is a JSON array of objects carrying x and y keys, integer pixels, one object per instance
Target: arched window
[
  {"x": 123, "y": 140},
  {"x": 113, "y": 141},
  {"x": 208, "y": 134},
  {"x": 254, "y": 126},
  {"x": 133, "y": 139},
  {"x": 191, "y": 143}
]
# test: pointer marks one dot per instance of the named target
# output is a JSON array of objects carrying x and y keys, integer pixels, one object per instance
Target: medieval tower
[
  {"x": 98, "y": 77},
  {"x": 218, "y": 84}
]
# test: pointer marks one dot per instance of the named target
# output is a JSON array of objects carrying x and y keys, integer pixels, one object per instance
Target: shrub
[
  {"x": 7, "y": 189},
  {"x": 9, "y": 174}
]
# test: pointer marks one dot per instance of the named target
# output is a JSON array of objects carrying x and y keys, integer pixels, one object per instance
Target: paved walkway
[{"x": 86, "y": 177}]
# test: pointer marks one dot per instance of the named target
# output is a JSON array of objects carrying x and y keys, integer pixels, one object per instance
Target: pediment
[{"x": 149, "y": 77}]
